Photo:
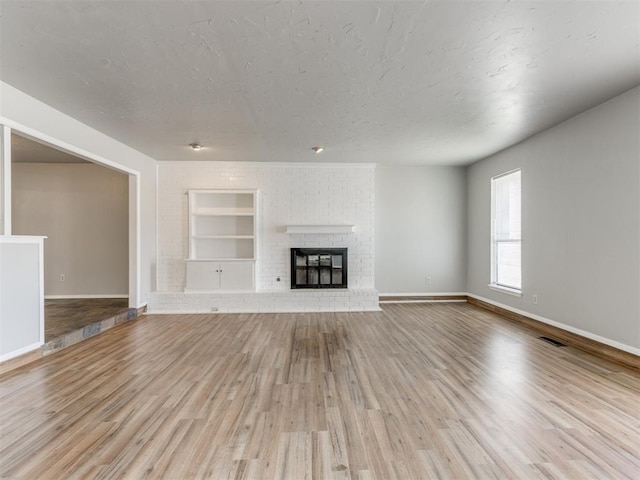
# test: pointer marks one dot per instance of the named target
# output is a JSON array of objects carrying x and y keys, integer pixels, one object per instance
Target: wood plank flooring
[
  {"x": 417, "y": 391},
  {"x": 65, "y": 315}
]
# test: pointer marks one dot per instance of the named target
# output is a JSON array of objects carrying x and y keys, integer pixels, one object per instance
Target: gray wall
[
  {"x": 420, "y": 229},
  {"x": 83, "y": 210},
  {"x": 581, "y": 221}
]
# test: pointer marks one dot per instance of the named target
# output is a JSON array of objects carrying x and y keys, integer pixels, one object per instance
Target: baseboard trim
[
  {"x": 71, "y": 297},
  {"x": 22, "y": 351},
  {"x": 425, "y": 294},
  {"x": 19, "y": 360},
  {"x": 588, "y": 342},
  {"x": 452, "y": 300},
  {"x": 440, "y": 297}
]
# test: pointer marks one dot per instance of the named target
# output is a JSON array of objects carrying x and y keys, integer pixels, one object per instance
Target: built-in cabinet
[
  {"x": 208, "y": 275},
  {"x": 222, "y": 240}
]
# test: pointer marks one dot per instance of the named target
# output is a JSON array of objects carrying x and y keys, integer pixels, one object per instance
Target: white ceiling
[{"x": 411, "y": 82}]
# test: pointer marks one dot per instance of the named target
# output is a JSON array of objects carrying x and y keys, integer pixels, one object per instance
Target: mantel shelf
[{"x": 323, "y": 229}]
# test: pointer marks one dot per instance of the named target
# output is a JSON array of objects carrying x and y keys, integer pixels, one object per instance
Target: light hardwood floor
[{"x": 417, "y": 391}]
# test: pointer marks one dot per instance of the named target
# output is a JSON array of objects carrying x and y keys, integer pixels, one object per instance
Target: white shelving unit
[{"x": 222, "y": 240}]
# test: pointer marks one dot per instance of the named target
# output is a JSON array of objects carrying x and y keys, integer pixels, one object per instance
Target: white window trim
[
  {"x": 508, "y": 290},
  {"x": 495, "y": 286}
]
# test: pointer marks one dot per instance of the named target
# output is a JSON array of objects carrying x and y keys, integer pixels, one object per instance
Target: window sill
[{"x": 507, "y": 290}]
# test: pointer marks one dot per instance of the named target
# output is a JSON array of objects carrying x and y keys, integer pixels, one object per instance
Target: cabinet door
[
  {"x": 203, "y": 276},
  {"x": 236, "y": 275}
]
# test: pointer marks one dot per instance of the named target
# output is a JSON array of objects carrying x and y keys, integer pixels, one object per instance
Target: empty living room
[{"x": 316, "y": 239}]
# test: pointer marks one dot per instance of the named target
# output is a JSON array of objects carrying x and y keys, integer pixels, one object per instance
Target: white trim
[
  {"x": 41, "y": 285},
  {"x": 492, "y": 249},
  {"x": 507, "y": 290},
  {"x": 62, "y": 145},
  {"x": 22, "y": 238},
  {"x": 423, "y": 294},
  {"x": 134, "y": 197},
  {"x": 252, "y": 260},
  {"x": 70, "y": 297},
  {"x": 562, "y": 326},
  {"x": 319, "y": 229},
  {"x": 240, "y": 312},
  {"x": 20, "y": 351},
  {"x": 422, "y": 301},
  {"x": 188, "y": 291},
  {"x": 5, "y": 187},
  {"x": 156, "y": 279},
  {"x": 135, "y": 238},
  {"x": 253, "y": 191},
  {"x": 496, "y": 177},
  {"x": 213, "y": 163}
]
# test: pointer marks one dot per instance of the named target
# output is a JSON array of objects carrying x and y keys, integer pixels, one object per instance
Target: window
[{"x": 506, "y": 238}]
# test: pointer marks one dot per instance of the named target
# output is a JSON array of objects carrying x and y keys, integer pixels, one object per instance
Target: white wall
[
  {"x": 20, "y": 110},
  {"x": 21, "y": 295},
  {"x": 289, "y": 194},
  {"x": 420, "y": 229},
  {"x": 83, "y": 211},
  {"x": 581, "y": 222}
]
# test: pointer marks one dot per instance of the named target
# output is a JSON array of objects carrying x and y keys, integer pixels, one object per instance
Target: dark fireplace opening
[{"x": 318, "y": 268}]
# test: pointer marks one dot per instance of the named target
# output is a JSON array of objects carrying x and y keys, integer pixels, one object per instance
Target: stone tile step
[{"x": 90, "y": 330}]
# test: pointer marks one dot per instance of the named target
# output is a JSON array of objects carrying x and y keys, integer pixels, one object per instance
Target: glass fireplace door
[{"x": 318, "y": 268}]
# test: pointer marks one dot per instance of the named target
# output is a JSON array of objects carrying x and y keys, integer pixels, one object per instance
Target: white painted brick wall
[
  {"x": 353, "y": 300},
  {"x": 289, "y": 194}
]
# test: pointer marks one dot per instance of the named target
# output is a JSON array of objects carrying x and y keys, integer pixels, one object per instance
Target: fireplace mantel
[{"x": 327, "y": 229}]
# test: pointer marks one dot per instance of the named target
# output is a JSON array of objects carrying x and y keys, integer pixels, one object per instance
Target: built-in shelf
[
  {"x": 224, "y": 237},
  {"x": 321, "y": 229},
  {"x": 196, "y": 260},
  {"x": 222, "y": 212},
  {"x": 222, "y": 240}
]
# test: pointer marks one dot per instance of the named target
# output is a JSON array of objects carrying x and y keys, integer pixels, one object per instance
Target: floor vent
[{"x": 553, "y": 342}]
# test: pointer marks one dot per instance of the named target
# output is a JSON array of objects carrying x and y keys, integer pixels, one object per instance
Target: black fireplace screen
[{"x": 318, "y": 268}]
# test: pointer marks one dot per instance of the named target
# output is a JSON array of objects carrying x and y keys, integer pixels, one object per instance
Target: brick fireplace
[{"x": 289, "y": 194}]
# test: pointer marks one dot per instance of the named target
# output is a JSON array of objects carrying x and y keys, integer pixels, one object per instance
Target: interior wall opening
[{"x": 83, "y": 210}]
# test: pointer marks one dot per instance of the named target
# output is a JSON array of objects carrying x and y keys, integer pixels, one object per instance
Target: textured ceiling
[{"x": 435, "y": 82}]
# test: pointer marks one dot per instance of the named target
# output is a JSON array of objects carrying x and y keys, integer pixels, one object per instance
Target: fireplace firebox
[{"x": 318, "y": 268}]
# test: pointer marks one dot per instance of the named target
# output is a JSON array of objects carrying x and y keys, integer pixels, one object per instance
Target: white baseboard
[
  {"x": 430, "y": 294},
  {"x": 424, "y": 294},
  {"x": 421, "y": 301},
  {"x": 20, "y": 351},
  {"x": 71, "y": 297},
  {"x": 562, "y": 326}
]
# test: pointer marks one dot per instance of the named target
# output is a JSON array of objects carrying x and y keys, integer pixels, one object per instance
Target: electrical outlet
[
  {"x": 62, "y": 277},
  {"x": 535, "y": 299},
  {"x": 428, "y": 280}
]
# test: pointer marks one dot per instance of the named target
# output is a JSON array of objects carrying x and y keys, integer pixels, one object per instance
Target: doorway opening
[{"x": 88, "y": 212}]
